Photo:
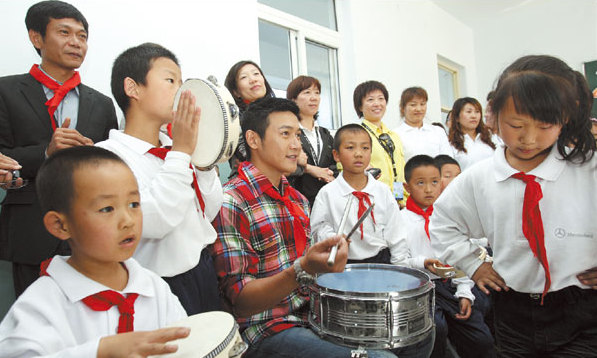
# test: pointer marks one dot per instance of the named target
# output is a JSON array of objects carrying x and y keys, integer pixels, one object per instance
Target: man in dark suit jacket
[{"x": 29, "y": 133}]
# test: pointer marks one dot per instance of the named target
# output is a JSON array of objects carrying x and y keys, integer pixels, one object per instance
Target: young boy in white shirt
[
  {"x": 382, "y": 236},
  {"x": 179, "y": 201},
  {"x": 91, "y": 199},
  {"x": 455, "y": 316}
]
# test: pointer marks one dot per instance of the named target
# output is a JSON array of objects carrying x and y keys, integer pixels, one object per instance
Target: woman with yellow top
[{"x": 370, "y": 100}]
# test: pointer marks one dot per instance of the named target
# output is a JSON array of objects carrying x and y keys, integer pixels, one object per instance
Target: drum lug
[
  {"x": 238, "y": 349},
  {"x": 233, "y": 111},
  {"x": 359, "y": 353}
]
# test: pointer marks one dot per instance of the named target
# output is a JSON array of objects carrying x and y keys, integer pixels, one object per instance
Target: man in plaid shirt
[{"x": 263, "y": 228}]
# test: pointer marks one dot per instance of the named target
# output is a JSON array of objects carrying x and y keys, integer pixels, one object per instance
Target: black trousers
[
  {"x": 471, "y": 337},
  {"x": 197, "y": 289},
  {"x": 565, "y": 326}
]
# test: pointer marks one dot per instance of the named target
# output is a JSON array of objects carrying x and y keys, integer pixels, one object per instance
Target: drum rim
[{"x": 424, "y": 288}]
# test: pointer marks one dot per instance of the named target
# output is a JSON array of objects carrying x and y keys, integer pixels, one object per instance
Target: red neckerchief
[
  {"x": 295, "y": 210},
  {"x": 104, "y": 300},
  {"x": 60, "y": 90},
  {"x": 363, "y": 197},
  {"x": 532, "y": 224},
  {"x": 412, "y": 206},
  {"x": 161, "y": 153}
]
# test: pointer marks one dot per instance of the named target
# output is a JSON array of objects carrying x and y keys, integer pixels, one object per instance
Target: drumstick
[{"x": 334, "y": 250}]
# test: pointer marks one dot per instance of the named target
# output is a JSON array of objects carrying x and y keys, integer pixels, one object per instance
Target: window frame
[{"x": 300, "y": 32}]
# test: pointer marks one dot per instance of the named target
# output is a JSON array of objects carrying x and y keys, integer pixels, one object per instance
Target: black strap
[{"x": 386, "y": 149}]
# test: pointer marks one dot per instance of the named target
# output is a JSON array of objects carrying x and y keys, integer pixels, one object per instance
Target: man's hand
[
  {"x": 316, "y": 258},
  {"x": 185, "y": 124},
  {"x": 589, "y": 277},
  {"x": 487, "y": 276},
  {"x": 65, "y": 137},
  {"x": 141, "y": 344},
  {"x": 465, "y": 309}
]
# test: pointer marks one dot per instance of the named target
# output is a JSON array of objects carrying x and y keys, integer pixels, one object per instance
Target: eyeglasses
[{"x": 16, "y": 183}]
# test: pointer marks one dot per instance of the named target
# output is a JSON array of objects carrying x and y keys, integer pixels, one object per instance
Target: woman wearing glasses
[
  {"x": 9, "y": 177},
  {"x": 370, "y": 100},
  {"x": 317, "y": 141}
]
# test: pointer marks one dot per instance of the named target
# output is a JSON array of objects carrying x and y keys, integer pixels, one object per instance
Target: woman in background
[
  {"x": 317, "y": 141},
  {"x": 246, "y": 83},
  {"x": 470, "y": 138}
]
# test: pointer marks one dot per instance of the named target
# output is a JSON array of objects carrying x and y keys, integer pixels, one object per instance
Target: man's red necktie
[
  {"x": 363, "y": 198},
  {"x": 103, "y": 301},
  {"x": 295, "y": 210},
  {"x": 532, "y": 224},
  {"x": 161, "y": 153},
  {"x": 60, "y": 90},
  {"x": 412, "y": 206}
]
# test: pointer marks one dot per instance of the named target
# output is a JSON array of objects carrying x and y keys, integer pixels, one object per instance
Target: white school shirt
[
  {"x": 476, "y": 151},
  {"x": 485, "y": 201},
  {"x": 419, "y": 248},
  {"x": 174, "y": 228},
  {"x": 50, "y": 319},
  {"x": 388, "y": 231},
  {"x": 429, "y": 139}
]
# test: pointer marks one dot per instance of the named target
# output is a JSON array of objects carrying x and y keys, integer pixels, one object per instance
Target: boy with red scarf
[
  {"x": 41, "y": 112},
  {"x": 455, "y": 317}
]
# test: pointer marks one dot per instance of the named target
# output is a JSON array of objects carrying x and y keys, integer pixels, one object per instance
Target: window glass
[
  {"x": 447, "y": 87},
  {"x": 321, "y": 64},
  {"x": 321, "y": 12}
]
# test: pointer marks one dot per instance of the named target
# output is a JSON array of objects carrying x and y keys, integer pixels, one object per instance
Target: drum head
[
  {"x": 213, "y": 133},
  {"x": 373, "y": 278},
  {"x": 209, "y": 330}
]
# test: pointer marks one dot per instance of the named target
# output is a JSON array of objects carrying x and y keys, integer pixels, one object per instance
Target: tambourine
[
  {"x": 219, "y": 127},
  {"x": 213, "y": 335}
]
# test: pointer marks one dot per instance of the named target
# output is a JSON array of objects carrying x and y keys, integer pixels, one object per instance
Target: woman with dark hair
[
  {"x": 370, "y": 100},
  {"x": 471, "y": 139},
  {"x": 317, "y": 141},
  {"x": 417, "y": 136},
  {"x": 246, "y": 83}
]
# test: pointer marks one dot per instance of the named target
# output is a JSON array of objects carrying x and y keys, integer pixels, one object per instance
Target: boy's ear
[
  {"x": 336, "y": 155},
  {"x": 36, "y": 39},
  {"x": 407, "y": 187},
  {"x": 56, "y": 225},
  {"x": 252, "y": 138},
  {"x": 130, "y": 88}
]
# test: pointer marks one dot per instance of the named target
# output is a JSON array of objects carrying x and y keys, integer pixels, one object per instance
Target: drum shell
[
  {"x": 376, "y": 320},
  {"x": 219, "y": 126}
]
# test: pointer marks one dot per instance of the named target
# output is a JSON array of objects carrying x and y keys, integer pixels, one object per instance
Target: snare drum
[
  {"x": 219, "y": 127},
  {"x": 213, "y": 335},
  {"x": 373, "y": 306}
]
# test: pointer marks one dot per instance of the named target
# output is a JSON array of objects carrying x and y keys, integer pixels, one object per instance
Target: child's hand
[
  {"x": 141, "y": 344},
  {"x": 185, "y": 124},
  {"x": 589, "y": 277},
  {"x": 487, "y": 276},
  {"x": 429, "y": 265},
  {"x": 465, "y": 309}
]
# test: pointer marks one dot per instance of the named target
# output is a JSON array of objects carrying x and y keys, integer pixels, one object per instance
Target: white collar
[
  {"x": 346, "y": 189},
  {"x": 77, "y": 286},
  {"x": 550, "y": 169},
  {"x": 137, "y": 145}
]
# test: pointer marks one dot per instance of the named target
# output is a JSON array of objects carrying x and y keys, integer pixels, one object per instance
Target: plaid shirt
[{"x": 255, "y": 240}]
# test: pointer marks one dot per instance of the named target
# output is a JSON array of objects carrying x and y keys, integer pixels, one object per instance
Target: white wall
[
  {"x": 565, "y": 29},
  {"x": 207, "y": 36},
  {"x": 397, "y": 43}
]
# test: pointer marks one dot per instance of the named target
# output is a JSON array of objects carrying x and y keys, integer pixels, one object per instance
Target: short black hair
[
  {"x": 444, "y": 159},
  {"x": 418, "y": 161},
  {"x": 135, "y": 63},
  {"x": 362, "y": 90},
  {"x": 54, "y": 183},
  {"x": 39, "y": 15},
  {"x": 349, "y": 128},
  {"x": 256, "y": 117}
]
